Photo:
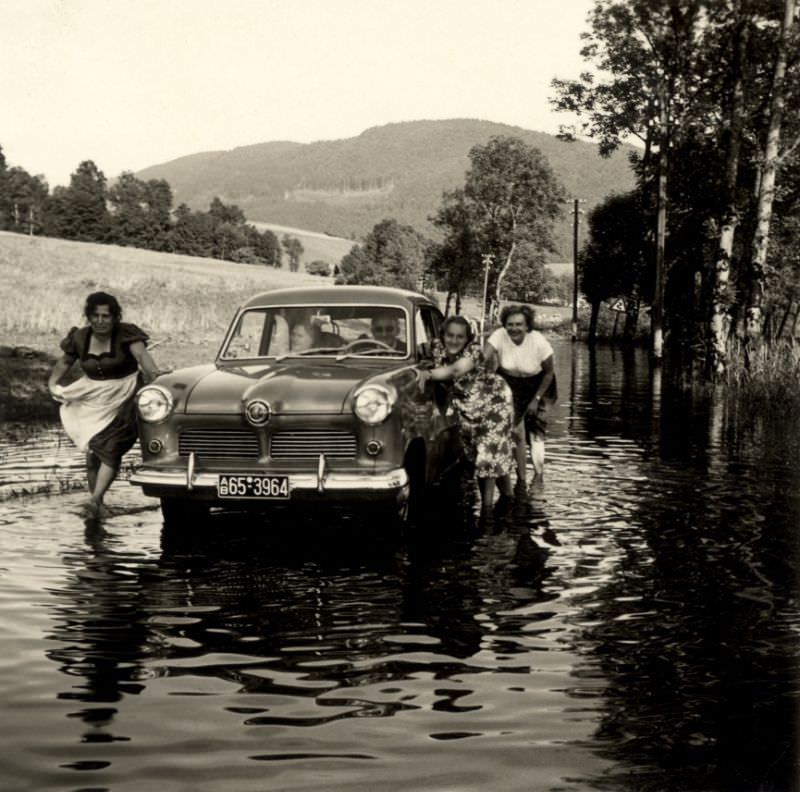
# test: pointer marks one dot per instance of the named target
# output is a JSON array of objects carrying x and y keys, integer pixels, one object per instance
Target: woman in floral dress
[{"x": 481, "y": 400}]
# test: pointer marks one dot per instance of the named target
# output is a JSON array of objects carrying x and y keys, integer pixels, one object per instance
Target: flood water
[{"x": 631, "y": 624}]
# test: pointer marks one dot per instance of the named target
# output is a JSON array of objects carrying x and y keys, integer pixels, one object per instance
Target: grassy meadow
[
  {"x": 183, "y": 302},
  {"x": 316, "y": 246}
]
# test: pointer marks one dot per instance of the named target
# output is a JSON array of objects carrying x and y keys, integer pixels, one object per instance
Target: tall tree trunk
[
  {"x": 766, "y": 194},
  {"x": 593, "y": 322},
  {"x": 506, "y": 263},
  {"x": 719, "y": 320},
  {"x": 657, "y": 311}
]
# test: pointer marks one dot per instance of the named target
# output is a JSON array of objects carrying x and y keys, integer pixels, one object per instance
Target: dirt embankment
[
  {"x": 23, "y": 385},
  {"x": 24, "y": 370}
]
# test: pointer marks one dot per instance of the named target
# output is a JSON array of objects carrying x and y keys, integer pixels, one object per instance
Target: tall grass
[{"x": 767, "y": 376}]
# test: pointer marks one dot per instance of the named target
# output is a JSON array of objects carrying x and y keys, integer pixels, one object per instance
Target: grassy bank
[
  {"x": 184, "y": 303},
  {"x": 766, "y": 378}
]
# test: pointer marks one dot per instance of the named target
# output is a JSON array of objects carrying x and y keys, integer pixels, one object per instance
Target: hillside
[{"x": 344, "y": 187}]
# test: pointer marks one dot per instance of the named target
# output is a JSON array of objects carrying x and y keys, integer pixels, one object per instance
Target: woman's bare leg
[
  {"x": 92, "y": 465},
  {"x": 537, "y": 455},
  {"x": 105, "y": 477},
  {"x": 487, "y": 488},
  {"x": 520, "y": 450},
  {"x": 504, "y": 485}
]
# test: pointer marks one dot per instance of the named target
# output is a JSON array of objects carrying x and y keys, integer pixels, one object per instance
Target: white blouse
[{"x": 521, "y": 360}]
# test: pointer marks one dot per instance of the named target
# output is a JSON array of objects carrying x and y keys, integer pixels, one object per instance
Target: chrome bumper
[{"x": 323, "y": 481}]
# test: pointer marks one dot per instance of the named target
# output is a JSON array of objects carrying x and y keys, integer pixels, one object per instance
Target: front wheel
[{"x": 183, "y": 513}]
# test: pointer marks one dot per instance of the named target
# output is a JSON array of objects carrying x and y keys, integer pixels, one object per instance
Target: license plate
[{"x": 274, "y": 487}]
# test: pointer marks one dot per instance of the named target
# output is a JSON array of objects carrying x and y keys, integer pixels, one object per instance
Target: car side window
[
  {"x": 428, "y": 322},
  {"x": 249, "y": 336}
]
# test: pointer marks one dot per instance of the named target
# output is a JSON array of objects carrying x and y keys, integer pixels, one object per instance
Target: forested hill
[{"x": 344, "y": 187}]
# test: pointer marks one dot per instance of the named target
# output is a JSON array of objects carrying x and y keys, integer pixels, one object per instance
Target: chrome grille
[
  {"x": 219, "y": 443},
  {"x": 310, "y": 443}
]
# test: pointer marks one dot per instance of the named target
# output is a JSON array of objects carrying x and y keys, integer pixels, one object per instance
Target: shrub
[{"x": 318, "y": 267}]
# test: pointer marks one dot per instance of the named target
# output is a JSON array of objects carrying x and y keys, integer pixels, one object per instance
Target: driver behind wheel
[{"x": 385, "y": 328}]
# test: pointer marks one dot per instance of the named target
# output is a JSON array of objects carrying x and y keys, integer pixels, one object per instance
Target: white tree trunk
[
  {"x": 766, "y": 194},
  {"x": 719, "y": 322}
]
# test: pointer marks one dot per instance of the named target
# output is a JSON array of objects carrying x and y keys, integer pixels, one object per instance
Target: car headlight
[
  {"x": 154, "y": 403},
  {"x": 373, "y": 403}
]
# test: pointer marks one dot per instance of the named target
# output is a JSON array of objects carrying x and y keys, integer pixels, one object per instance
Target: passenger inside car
[{"x": 304, "y": 336}]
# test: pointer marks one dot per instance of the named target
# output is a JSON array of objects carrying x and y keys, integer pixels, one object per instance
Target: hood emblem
[{"x": 257, "y": 412}]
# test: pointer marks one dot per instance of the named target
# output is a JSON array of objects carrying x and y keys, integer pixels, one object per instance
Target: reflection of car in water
[{"x": 335, "y": 415}]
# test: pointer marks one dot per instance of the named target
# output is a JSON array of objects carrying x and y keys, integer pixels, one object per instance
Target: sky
[{"x": 133, "y": 83}]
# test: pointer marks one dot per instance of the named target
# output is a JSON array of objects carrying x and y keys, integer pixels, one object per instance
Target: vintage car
[{"x": 313, "y": 398}]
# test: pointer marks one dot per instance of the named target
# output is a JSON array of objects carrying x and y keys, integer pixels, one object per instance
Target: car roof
[{"x": 334, "y": 295}]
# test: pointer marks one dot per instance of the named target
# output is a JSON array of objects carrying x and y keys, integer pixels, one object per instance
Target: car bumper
[{"x": 330, "y": 485}]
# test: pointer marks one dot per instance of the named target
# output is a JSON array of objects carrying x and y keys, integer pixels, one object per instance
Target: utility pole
[
  {"x": 657, "y": 309},
  {"x": 575, "y": 221}
]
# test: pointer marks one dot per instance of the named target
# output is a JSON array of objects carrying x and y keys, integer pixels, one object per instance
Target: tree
[
  {"x": 711, "y": 88},
  {"x": 766, "y": 192},
  {"x": 650, "y": 50},
  {"x": 525, "y": 278},
  {"x": 79, "y": 211},
  {"x": 22, "y": 200},
  {"x": 455, "y": 262},
  {"x": 266, "y": 246},
  {"x": 391, "y": 255},
  {"x": 128, "y": 222},
  {"x": 510, "y": 197},
  {"x": 617, "y": 260},
  {"x": 318, "y": 267},
  {"x": 294, "y": 250},
  {"x": 222, "y": 213},
  {"x": 192, "y": 232}
]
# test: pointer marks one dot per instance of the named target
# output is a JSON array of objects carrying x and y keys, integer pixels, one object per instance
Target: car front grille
[
  {"x": 310, "y": 443},
  {"x": 219, "y": 443}
]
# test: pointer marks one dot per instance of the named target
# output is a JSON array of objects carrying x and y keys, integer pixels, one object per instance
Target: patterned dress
[{"x": 481, "y": 401}]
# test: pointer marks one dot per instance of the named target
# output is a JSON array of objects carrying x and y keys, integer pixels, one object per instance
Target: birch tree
[{"x": 772, "y": 158}]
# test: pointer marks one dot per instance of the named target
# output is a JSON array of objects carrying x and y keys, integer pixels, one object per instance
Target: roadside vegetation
[{"x": 707, "y": 239}]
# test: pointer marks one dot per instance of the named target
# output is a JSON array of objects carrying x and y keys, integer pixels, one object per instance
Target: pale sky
[{"x": 132, "y": 83}]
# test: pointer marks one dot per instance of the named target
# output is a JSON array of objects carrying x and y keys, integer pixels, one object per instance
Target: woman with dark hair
[
  {"x": 97, "y": 410},
  {"x": 524, "y": 359},
  {"x": 482, "y": 403}
]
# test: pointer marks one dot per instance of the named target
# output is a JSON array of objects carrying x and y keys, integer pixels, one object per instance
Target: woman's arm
[
  {"x": 61, "y": 367},
  {"x": 461, "y": 366},
  {"x": 145, "y": 361},
  {"x": 492, "y": 360},
  {"x": 549, "y": 373}
]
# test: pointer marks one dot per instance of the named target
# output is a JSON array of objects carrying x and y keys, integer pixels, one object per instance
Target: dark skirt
[
  {"x": 523, "y": 390},
  {"x": 116, "y": 439}
]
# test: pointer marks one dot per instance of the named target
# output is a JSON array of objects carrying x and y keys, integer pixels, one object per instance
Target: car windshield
[{"x": 337, "y": 331}]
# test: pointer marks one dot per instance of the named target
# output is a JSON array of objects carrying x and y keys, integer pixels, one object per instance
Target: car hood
[{"x": 290, "y": 386}]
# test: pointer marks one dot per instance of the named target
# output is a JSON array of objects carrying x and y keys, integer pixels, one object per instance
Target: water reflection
[
  {"x": 696, "y": 632},
  {"x": 631, "y": 623},
  {"x": 100, "y": 628}
]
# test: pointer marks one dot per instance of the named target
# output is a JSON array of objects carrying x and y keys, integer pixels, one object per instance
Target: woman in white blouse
[{"x": 524, "y": 358}]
